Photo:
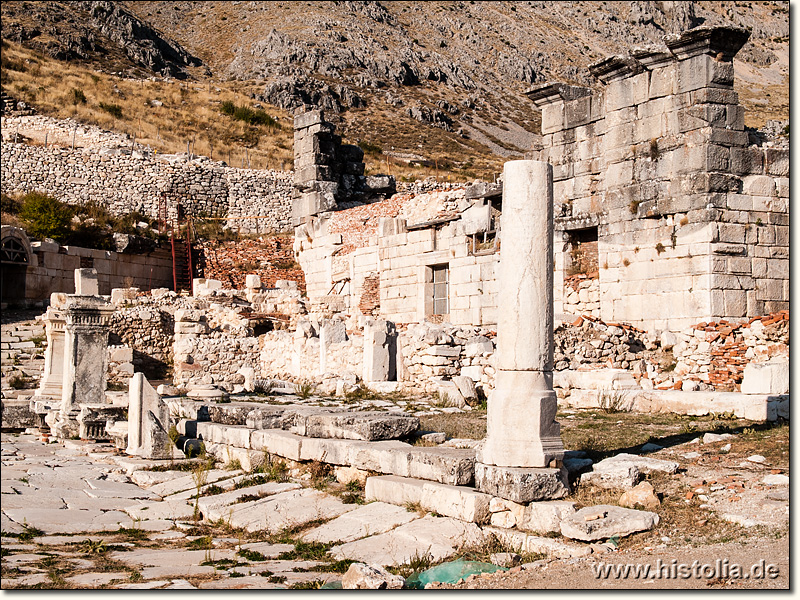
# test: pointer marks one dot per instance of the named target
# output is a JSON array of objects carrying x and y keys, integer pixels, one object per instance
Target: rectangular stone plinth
[{"x": 521, "y": 485}]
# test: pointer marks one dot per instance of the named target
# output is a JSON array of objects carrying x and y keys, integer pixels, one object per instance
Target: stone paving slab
[
  {"x": 94, "y": 580},
  {"x": 288, "y": 509},
  {"x": 437, "y": 537},
  {"x": 267, "y": 549},
  {"x": 89, "y": 503},
  {"x": 372, "y": 519},
  {"x": 187, "y": 482},
  {"x": 166, "y": 509},
  {"x": 217, "y": 506},
  {"x": 68, "y": 521},
  {"x": 101, "y": 488},
  {"x": 33, "y": 579},
  {"x": 40, "y": 500},
  {"x": 253, "y": 582}
]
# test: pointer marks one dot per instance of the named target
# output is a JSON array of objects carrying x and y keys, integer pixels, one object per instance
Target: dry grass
[{"x": 190, "y": 112}]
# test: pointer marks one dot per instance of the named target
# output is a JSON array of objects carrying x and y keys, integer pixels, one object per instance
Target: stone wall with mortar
[
  {"x": 126, "y": 181},
  {"x": 691, "y": 211}
]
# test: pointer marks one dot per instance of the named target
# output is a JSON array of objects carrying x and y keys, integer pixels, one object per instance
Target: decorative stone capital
[{"x": 720, "y": 42}]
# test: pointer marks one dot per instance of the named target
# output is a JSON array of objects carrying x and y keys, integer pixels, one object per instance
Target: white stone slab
[
  {"x": 372, "y": 519},
  {"x": 69, "y": 521},
  {"x": 438, "y": 537},
  {"x": 288, "y": 509}
]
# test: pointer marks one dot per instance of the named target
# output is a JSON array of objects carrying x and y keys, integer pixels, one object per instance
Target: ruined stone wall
[
  {"x": 692, "y": 219},
  {"x": 125, "y": 182},
  {"x": 148, "y": 331},
  {"x": 271, "y": 258},
  {"x": 296, "y": 357},
  {"x": 52, "y": 269},
  {"x": 344, "y": 253},
  {"x": 718, "y": 352},
  {"x": 581, "y": 296}
]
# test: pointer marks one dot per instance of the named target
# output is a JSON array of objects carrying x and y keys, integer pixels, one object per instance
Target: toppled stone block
[
  {"x": 642, "y": 463},
  {"x": 643, "y": 495},
  {"x": 367, "y": 426},
  {"x": 612, "y": 476},
  {"x": 602, "y": 522},
  {"x": 521, "y": 485},
  {"x": 370, "y": 577},
  {"x": 545, "y": 517}
]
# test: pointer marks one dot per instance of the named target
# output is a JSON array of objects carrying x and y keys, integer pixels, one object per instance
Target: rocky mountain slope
[{"x": 388, "y": 68}]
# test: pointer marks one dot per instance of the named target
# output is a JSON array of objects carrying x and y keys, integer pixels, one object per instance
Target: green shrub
[
  {"x": 44, "y": 216},
  {"x": 115, "y": 110},
  {"x": 9, "y": 205},
  {"x": 78, "y": 97},
  {"x": 248, "y": 115}
]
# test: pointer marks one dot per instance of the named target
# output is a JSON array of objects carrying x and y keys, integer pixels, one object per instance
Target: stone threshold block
[
  {"x": 462, "y": 503},
  {"x": 522, "y": 485}
]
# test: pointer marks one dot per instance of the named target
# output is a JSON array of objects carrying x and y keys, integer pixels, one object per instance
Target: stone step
[
  {"x": 229, "y": 442},
  {"x": 463, "y": 503}
]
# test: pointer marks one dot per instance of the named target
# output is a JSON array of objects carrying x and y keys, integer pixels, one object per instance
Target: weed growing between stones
[
  {"x": 417, "y": 564},
  {"x": 200, "y": 477},
  {"x": 251, "y": 555},
  {"x": 339, "y": 566},
  {"x": 306, "y": 551},
  {"x": 614, "y": 401},
  {"x": 304, "y": 389},
  {"x": 415, "y": 507},
  {"x": 307, "y": 585}
]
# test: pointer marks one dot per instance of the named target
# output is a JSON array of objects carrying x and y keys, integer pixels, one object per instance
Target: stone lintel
[
  {"x": 553, "y": 92},
  {"x": 615, "y": 67},
  {"x": 720, "y": 42},
  {"x": 522, "y": 485}
]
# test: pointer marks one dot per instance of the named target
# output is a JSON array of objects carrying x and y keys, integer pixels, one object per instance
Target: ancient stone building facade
[
  {"x": 690, "y": 219},
  {"x": 668, "y": 212}
]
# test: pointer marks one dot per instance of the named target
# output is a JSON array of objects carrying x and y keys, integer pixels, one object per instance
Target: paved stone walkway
[{"x": 76, "y": 514}]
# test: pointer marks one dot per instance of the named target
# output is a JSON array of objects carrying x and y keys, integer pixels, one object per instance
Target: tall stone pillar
[
  {"x": 50, "y": 385},
  {"x": 522, "y": 453},
  {"x": 87, "y": 320}
]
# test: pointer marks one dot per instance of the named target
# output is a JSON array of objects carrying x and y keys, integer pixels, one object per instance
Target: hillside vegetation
[{"x": 425, "y": 88}]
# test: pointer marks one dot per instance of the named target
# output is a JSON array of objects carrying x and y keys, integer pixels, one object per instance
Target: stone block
[
  {"x": 252, "y": 282},
  {"x": 367, "y": 426},
  {"x": 776, "y": 162},
  {"x": 281, "y": 443},
  {"x": 307, "y": 119},
  {"x": 394, "y": 490},
  {"x": 452, "y": 466},
  {"x": 521, "y": 485},
  {"x": 522, "y": 542},
  {"x": 465, "y": 504},
  {"x": 360, "y": 576},
  {"x": 86, "y": 282},
  {"x": 766, "y": 378},
  {"x": 148, "y": 421},
  {"x": 335, "y": 452}
]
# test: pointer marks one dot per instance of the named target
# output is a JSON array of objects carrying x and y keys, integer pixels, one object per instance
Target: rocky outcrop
[{"x": 96, "y": 30}]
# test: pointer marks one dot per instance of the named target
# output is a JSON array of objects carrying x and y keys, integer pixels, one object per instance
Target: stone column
[
  {"x": 87, "y": 320},
  {"x": 521, "y": 457}
]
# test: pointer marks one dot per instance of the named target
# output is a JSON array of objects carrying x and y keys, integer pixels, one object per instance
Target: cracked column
[{"x": 522, "y": 453}]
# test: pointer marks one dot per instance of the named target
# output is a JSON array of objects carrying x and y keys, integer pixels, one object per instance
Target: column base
[{"x": 522, "y": 485}]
